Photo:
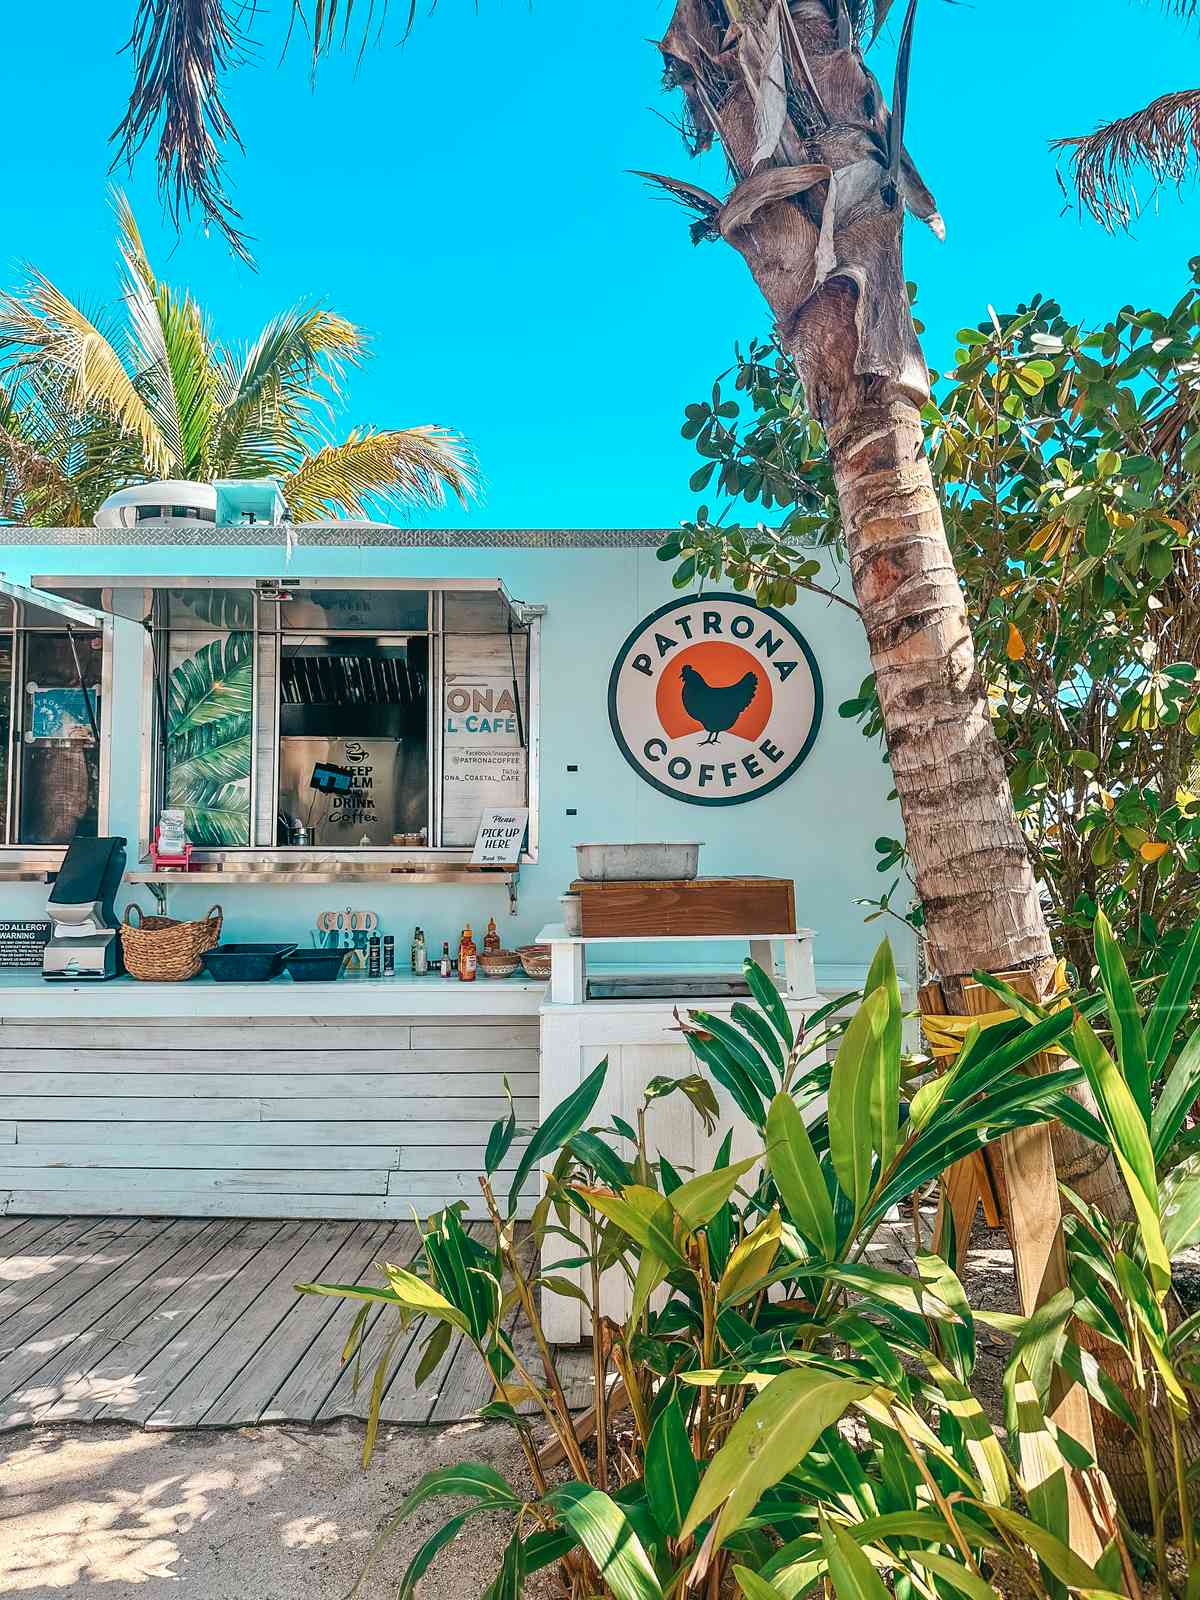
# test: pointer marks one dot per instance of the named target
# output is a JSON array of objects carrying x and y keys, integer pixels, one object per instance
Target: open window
[
  {"x": 54, "y": 665},
  {"x": 347, "y": 717}
]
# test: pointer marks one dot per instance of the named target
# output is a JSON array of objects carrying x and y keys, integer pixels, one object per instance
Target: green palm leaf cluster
[
  {"x": 89, "y": 404},
  {"x": 209, "y": 703}
]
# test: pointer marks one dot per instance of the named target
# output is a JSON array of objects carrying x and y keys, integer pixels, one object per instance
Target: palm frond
[
  {"x": 405, "y": 466},
  {"x": 217, "y": 681},
  {"x": 276, "y": 392},
  {"x": 42, "y": 330},
  {"x": 1163, "y": 140},
  {"x": 181, "y": 51},
  {"x": 173, "y": 353}
]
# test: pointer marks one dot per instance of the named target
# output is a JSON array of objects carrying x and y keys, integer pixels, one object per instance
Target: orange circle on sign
[{"x": 717, "y": 702}]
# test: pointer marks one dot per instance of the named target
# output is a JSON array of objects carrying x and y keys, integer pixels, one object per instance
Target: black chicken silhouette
[{"x": 716, "y": 707}]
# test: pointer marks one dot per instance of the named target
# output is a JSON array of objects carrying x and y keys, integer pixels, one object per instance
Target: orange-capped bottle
[
  {"x": 491, "y": 939},
  {"x": 468, "y": 956}
]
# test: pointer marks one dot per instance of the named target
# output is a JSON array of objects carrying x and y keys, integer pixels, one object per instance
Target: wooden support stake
[{"x": 1034, "y": 1222}]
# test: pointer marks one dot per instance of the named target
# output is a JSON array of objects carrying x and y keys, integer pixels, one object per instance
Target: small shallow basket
[
  {"x": 535, "y": 959},
  {"x": 162, "y": 950}
]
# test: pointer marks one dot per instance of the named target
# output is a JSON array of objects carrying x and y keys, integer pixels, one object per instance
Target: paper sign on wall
[{"x": 500, "y": 837}]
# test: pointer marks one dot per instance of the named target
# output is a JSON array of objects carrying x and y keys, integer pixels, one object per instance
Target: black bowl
[
  {"x": 246, "y": 963},
  {"x": 316, "y": 966}
]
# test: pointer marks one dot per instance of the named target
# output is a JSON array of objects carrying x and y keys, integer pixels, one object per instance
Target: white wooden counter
[
  {"x": 363, "y": 1098},
  {"x": 642, "y": 1041}
]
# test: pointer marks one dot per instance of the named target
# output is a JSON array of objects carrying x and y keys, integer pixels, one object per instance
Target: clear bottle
[
  {"x": 446, "y": 965},
  {"x": 420, "y": 955},
  {"x": 491, "y": 939},
  {"x": 468, "y": 956}
]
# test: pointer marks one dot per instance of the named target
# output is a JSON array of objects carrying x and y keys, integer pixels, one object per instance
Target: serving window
[
  {"x": 53, "y": 703},
  {"x": 292, "y": 716}
]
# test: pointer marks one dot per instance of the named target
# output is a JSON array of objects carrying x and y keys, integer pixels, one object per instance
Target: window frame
[
  {"x": 134, "y": 597},
  {"x": 18, "y": 856}
]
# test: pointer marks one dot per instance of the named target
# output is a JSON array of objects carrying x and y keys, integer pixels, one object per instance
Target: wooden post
[{"x": 1034, "y": 1222}]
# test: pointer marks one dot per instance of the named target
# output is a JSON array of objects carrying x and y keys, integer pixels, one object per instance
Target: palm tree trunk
[{"x": 822, "y": 183}]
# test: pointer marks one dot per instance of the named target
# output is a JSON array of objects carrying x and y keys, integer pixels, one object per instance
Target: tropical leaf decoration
[{"x": 209, "y": 722}]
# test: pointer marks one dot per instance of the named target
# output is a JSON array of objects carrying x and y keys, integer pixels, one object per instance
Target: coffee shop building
[{"x": 207, "y": 660}]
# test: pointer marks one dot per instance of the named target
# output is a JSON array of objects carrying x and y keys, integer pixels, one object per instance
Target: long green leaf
[
  {"x": 645, "y": 1216},
  {"x": 1126, "y": 1020},
  {"x": 1176, "y": 1098},
  {"x": 672, "y": 1476},
  {"x": 762, "y": 987},
  {"x": 607, "y": 1535},
  {"x": 851, "y": 1086},
  {"x": 509, "y": 1582},
  {"x": 1128, "y": 1128},
  {"x": 698, "y": 1201},
  {"x": 729, "y": 1073},
  {"x": 1171, "y": 1007},
  {"x": 885, "y": 1087},
  {"x": 740, "y": 1047},
  {"x": 1181, "y": 1206},
  {"x": 420, "y": 1563},
  {"x": 563, "y": 1123},
  {"x": 777, "y": 1429},
  {"x": 754, "y": 1587},
  {"x": 797, "y": 1173},
  {"x": 850, "y": 1571}
]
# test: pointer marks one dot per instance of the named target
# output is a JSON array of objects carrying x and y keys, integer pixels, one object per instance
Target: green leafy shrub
[{"x": 775, "y": 1409}]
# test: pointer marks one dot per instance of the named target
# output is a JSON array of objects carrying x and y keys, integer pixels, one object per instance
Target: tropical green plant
[
  {"x": 90, "y": 404},
  {"x": 775, "y": 1408},
  {"x": 1119, "y": 1299},
  {"x": 209, "y": 701},
  {"x": 1068, "y": 465}
]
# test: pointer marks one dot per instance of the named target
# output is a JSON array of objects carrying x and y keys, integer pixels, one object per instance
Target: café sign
[{"x": 715, "y": 700}]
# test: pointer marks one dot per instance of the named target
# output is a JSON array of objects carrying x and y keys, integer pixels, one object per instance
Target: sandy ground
[{"x": 247, "y": 1514}]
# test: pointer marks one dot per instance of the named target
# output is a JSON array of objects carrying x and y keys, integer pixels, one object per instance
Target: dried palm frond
[
  {"x": 413, "y": 465},
  {"x": 703, "y": 206},
  {"x": 181, "y": 51},
  {"x": 1163, "y": 139}
]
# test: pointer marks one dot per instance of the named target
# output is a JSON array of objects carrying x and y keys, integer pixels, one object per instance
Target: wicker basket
[{"x": 162, "y": 950}]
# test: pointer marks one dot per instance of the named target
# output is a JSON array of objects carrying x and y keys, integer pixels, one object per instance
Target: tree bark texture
[
  {"x": 817, "y": 212},
  {"x": 822, "y": 183}
]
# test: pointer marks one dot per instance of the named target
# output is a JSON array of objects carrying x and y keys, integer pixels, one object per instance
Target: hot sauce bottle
[
  {"x": 491, "y": 939},
  {"x": 468, "y": 956},
  {"x": 444, "y": 966}
]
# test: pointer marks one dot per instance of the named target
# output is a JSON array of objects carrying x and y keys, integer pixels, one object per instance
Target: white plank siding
[{"x": 309, "y": 1118}]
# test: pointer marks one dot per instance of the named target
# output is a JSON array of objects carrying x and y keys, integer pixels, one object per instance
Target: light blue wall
[{"x": 818, "y": 827}]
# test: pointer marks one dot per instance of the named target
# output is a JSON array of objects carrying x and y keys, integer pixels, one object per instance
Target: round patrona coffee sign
[{"x": 715, "y": 700}]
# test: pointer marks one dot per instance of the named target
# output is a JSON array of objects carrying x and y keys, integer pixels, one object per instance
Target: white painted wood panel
[
  {"x": 304, "y": 1118},
  {"x": 101, "y": 1183},
  {"x": 186, "y": 1202},
  {"x": 250, "y": 1062},
  {"x": 470, "y": 1138},
  {"x": 95, "y": 1108},
  {"x": 361, "y": 1086},
  {"x": 445, "y": 1111}
]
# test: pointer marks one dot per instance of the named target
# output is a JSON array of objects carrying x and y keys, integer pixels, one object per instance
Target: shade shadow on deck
[{"x": 195, "y": 1322}]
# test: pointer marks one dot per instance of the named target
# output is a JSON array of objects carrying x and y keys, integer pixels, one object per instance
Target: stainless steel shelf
[{"x": 323, "y": 875}]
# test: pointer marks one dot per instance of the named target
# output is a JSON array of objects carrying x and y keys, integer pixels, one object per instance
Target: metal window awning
[
  {"x": 34, "y": 610},
  {"x": 466, "y": 605}
]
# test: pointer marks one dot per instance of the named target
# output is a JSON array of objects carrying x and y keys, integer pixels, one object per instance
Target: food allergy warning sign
[{"x": 715, "y": 700}]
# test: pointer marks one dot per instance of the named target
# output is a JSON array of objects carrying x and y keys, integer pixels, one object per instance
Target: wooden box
[{"x": 670, "y": 908}]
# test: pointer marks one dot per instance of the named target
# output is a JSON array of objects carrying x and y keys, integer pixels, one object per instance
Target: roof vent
[
  {"x": 172, "y": 501},
  {"x": 244, "y": 501}
]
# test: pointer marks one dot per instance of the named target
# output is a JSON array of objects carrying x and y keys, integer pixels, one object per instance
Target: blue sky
[{"x": 467, "y": 199}]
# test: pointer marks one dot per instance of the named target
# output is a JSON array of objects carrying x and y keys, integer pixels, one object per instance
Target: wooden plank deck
[{"x": 194, "y": 1323}]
